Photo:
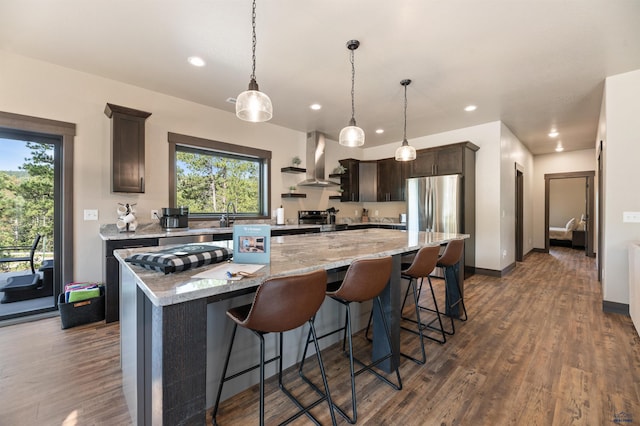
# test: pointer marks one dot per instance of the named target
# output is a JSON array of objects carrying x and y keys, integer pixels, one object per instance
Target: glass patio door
[{"x": 29, "y": 172}]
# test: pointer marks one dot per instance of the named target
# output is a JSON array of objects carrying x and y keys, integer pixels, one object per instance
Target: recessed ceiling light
[
  {"x": 553, "y": 134},
  {"x": 470, "y": 108},
  {"x": 559, "y": 147},
  {"x": 315, "y": 107},
  {"x": 196, "y": 61},
  {"x": 379, "y": 131}
]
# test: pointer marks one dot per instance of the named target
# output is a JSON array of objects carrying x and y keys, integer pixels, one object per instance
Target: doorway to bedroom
[{"x": 569, "y": 210}]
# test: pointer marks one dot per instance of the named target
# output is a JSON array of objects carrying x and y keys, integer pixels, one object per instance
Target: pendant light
[
  {"x": 352, "y": 135},
  {"x": 253, "y": 105},
  {"x": 405, "y": 152}
]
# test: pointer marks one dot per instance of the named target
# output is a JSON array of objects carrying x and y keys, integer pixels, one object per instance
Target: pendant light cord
[
  {"x": 253, "y": 41},
  {"x": 405, "y": 113},
  {"x": 353, "y": 82}
]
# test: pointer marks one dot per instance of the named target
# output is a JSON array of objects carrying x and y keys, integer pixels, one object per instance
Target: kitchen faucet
[{"x": 224, "y": 219}]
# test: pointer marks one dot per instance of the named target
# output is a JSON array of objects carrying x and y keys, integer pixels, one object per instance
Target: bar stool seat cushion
[{"x": 268, "y": 314}]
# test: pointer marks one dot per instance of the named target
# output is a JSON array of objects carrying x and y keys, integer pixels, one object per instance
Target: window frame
[{"x": 177, "y": 140}]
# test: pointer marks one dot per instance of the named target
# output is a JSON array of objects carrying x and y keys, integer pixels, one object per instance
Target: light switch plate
[
  {"x": 90, "y": 214},
  {"x": 630, "y": 217}
]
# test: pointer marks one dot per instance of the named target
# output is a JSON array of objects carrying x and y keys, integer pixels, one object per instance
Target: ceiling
[{"x": 535, "y": 65}]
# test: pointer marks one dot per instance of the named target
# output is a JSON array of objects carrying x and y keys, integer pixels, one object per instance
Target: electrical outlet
[
  {"x": 376, "y": 212},
  {"x": 504, "y": 253},
  {"x": 90, "y": 214},
  {"x": 155, "y": 214}
]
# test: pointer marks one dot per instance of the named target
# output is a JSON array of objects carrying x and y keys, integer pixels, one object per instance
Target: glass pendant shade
[
  {"x": 253, "y": 105},
  {"x": 405, "y": 152},
  {"x": 351, "y": 135}
]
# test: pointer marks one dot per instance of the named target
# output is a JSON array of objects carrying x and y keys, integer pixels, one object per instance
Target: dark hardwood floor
[{"x": 537, "y": 350}]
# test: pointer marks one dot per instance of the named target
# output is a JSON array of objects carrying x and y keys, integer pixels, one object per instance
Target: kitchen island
[
  {"x": 151, "y": 234},
  {"x": 167, "y": 321}
]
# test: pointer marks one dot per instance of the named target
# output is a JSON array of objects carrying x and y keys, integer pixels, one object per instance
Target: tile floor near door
[{"x": 537, "y": 350}]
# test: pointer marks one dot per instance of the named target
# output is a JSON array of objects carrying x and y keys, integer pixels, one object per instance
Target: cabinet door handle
[{"x": 142, "y": 184}]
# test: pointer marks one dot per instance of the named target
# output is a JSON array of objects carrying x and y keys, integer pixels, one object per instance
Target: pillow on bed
[{"x": 571, "y": 224}]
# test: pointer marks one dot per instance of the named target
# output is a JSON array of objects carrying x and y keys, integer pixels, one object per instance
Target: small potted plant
[
  {"x": 339, "y": 170},
  {"x": 292, "y": 188},
  {"x": 296, "y": 161}
]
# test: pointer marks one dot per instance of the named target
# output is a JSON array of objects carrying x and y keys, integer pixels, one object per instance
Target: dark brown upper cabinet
[
  {"x": 444, "y": 160},
  {"x": 127, "y": 148},
  {"x": 350, "y": 180},
  {"x": 392, "y": 175}
]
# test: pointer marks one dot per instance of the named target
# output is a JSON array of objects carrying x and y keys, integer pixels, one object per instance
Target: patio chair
[{"x": 32, "y": 251}]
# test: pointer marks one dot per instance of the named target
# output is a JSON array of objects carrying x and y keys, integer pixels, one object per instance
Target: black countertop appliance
[
  {"x": 326, "y": 218},
  {"x": 313, "y": 217},
  {"x": 174, "y": 218}
]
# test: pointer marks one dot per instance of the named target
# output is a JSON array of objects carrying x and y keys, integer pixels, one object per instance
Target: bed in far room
[{"x": 564, "y": 235}]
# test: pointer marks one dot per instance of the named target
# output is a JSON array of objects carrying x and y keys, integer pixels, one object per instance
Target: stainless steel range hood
[{"x": 315, "y": 161}]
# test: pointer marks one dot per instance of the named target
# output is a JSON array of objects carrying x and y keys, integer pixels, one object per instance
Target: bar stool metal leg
[
  {"x": 303, "y": 410},
  {"x": 412, "y": 286},
  {"x": 352, "y": 360},
  {"x": 435, "y": 310},
  {"x": 224, "y": 373},
  {"x": 271, "y": 312}
]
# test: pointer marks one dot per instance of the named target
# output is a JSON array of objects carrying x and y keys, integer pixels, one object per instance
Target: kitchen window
[{"x": 211, "y": 177}]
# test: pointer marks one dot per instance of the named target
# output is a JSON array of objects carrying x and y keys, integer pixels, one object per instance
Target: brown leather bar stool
[
  {"x": 364, "y": 280},
  {"x": 450, "y": 262},
  {"x": 281, "y": 304},
  {"x": 420, "y": 268}
]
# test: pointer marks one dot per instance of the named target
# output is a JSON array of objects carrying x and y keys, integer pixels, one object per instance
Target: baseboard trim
[
  {"x": 495, "y": 273},
  {"x": 615, "y": 307}
]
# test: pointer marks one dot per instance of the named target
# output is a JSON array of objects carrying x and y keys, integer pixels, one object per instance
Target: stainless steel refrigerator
[
  {"x": 435, "y": 204},
  {"x": 442, "y": 204}
]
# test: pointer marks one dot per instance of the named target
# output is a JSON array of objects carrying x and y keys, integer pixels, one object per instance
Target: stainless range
[
  {"x": 319, "y": 217},
  {"x": 313, "y": 217}
]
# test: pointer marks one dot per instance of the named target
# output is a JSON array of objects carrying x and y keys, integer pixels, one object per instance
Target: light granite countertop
[
  {"x": 153, "y": 230},
  {"x": 290, "y": 254}
]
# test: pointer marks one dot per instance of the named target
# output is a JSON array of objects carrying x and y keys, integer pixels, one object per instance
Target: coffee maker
[{"x": 174, "y": 218}]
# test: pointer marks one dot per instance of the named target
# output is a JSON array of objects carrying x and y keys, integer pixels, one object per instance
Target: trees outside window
[
  {"x": 209, "y": 177},
  {"x": 207, "y": 182},
  {"x": 26, "y": 193}
]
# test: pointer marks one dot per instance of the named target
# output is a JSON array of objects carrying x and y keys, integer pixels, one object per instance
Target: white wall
[
  {"x": 620, "y": 193},
  {"x": 512, "y": 151},
  {"x": 561, "y": 162},
  {"x": 44, "y": 90},
  {"x": 567, "y": 199},
  {"x": 48, "y": 91}
]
